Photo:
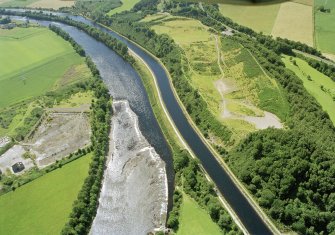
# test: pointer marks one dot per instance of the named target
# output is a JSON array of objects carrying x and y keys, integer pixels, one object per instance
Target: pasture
[
  {"x": 53, "y": 4},
  {"x": 195, "y": 220},
  {"x": 16, "y": 3},
  {"x": 261, "y": 18},
  {"x": 318, "y": 85},
  {"x": 286, "y": 19},
  {"x": 325, "y": 26},
  {"x": 295, "y": 21},
  {"x": 33, "y": 61},
  {"x": 126, "y": 6},
  {"x": 43, "y": 205}
]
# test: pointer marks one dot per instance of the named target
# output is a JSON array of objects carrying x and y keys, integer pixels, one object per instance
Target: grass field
[
  {"x": 43, "y": 206},
  {"x": 195, "y": 220},
  {"x": 258, "y": 17},
  {"x": 325, "y": 26},
  {"x": 319, "y": 85},
  {"x": 53, "y": 4},
  {"x": 295, "y": 22},
  {"x": 16, "y": 3},
  {"x": 126, "y": 6},
  {"x": 33, "y": 60},
  {"x": 291, "y": 19}
]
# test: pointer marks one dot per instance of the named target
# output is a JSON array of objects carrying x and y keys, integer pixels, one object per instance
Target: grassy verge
[{"x": 45, "y": 202}]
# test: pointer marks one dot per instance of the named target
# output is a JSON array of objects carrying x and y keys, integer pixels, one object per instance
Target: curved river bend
[{"x": 246, "y": 213}]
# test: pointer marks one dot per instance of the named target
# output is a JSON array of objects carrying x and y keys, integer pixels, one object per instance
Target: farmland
[
  {"x": 53, "y": 4},
  {"x": 258, "y": 17},
  {"x": 34, "y": 59},
  {"x": 195, "y": 220},
  {"x": 316, "y": 83},
  {"x": 291, "y": 19},
  {"x": 325, "y": 26},
  {"x": 47, "y": 200}
]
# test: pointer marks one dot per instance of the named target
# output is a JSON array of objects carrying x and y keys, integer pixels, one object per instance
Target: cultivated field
[
  {"x": 295, "y": 21},
  {"x": 325, "y": 27},
  {"x": 126, "y": 6},
  {"x": 258, "y": 17},
  {"x": 195, "y": 220},
  {"x": 16, "y": 3},
  {"x": 286, "y": 19},
  {"x": 43, "y": 206},
  {"x": 33, "y": 60},
  {"x": 318, "y": 85}
]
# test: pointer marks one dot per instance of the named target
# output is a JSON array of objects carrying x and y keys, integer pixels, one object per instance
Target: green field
[
  {"x": 325, "y": 26},
  {"x": 195, "y": 220},
  {"x": 256, "y": 16},
  {"x": 33, "y": 61},
  {"x": 319, "y": 85},
  {"x": 16, "y": 3},
  {"x": 43, "y": 206},
  {"x": 126, "y": 6}
]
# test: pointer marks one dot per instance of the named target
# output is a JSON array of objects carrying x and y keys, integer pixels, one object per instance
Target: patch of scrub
[
  {"x": 133, "y": 198},
  {"x": 295, "y": 22},
  {"x": 12, "y": 156},
  {"x": 59, "y": 135}
]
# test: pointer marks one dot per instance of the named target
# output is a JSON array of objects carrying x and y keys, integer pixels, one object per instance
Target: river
[{"x": 246, "y": 213}]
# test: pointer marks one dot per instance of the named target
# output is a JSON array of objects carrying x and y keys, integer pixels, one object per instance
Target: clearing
[
  {"x": 325, "y": 27},
  {"x": 126, "y": 6},
  {"x": 43, "y": 205},
  {"x": 317, "y": 84},
  {"x": 195, "y": 220},
  {"x": 59, "y": 135}
]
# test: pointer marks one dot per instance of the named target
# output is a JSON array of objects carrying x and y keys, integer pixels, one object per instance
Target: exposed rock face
[{"x": 134, "y": 194}]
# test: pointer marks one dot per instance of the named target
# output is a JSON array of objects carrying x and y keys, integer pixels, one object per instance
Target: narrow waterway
[{"x": 247, "y": 214}]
